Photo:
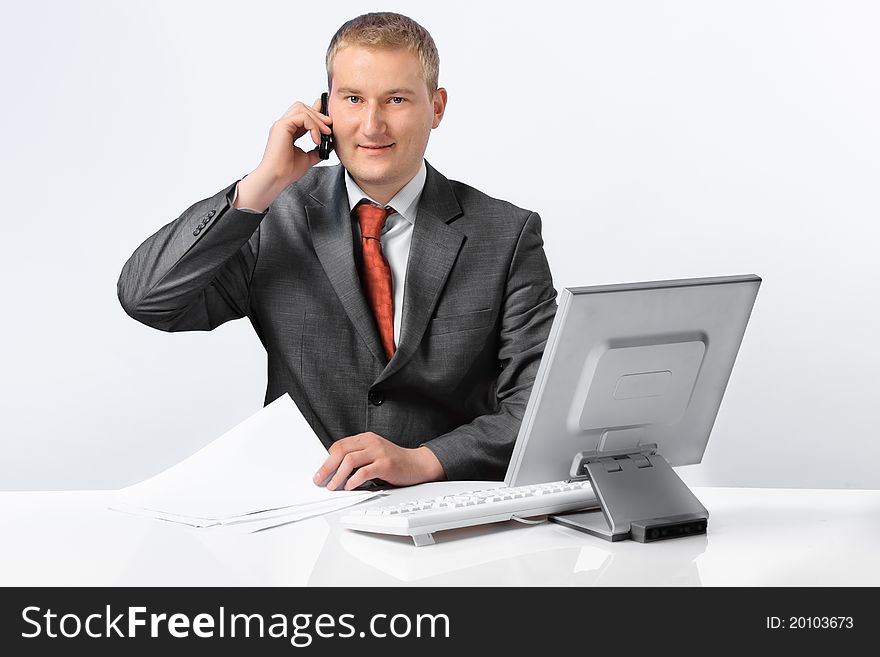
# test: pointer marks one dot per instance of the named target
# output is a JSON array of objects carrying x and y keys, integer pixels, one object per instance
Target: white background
[{"x": 657, "y": 140}]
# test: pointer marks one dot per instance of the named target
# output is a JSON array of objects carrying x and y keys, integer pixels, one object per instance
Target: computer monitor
[{"x": 630, "y": 384}]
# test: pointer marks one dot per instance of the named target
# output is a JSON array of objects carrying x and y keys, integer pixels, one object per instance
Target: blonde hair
[{"x": 388, "y": 30}]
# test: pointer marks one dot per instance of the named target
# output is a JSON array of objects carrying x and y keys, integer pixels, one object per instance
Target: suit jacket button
[
  {"x": 211, "y": 214},
  {"x": 376, "y": 398},
  {"x": 197, "y": 231}
]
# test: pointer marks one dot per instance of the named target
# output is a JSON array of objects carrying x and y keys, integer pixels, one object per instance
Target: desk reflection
[{"x": 507, "y": 553}]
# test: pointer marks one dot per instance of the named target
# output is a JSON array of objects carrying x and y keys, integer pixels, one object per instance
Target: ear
[{"x": 440, "y": 99}]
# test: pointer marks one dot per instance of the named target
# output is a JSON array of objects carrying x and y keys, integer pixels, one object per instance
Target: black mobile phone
[{"x": 326, "y": 140}]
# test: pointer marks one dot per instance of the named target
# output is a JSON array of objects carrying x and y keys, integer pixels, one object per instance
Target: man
[{"x": 405, "y": 313}]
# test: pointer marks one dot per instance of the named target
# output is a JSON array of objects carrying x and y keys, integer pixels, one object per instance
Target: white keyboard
[{"x": 419, "y": 518}]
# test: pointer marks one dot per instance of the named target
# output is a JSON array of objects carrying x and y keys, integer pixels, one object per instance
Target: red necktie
[{"x": 376, "y": 274}]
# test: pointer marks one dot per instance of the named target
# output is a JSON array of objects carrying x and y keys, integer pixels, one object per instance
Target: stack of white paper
[{"x": 255, "y": 476}]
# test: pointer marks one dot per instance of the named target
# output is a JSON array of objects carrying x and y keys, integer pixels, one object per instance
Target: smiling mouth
[{"x": 377, "y": 148}]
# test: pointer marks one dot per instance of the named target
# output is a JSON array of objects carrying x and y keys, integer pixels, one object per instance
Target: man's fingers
[
  {"x": 333, "y": 460},
  {"x": 343, "y": 446},
  {"x": 315, "y": 123},
  {"x": 306, "y": 123},
  {"x": 317, "y": 108},
  {"x": 370, "y": 471},
  {"x": 304, "y": 118},
  {"x": 350, "y": 462},
  {"x": 319, "y": 128},
  {"x": 355, "y": 441},
  {"x": 314, "y": 112}
]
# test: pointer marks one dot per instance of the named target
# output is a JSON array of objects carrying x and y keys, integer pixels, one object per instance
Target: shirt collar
[{"x": 405, "y": 202}]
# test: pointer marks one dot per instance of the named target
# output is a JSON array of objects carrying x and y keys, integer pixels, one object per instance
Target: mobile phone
[{"x": 326, "y": 140}]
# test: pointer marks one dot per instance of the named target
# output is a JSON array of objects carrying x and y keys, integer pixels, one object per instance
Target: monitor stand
[{"x": 641, "y": 498}]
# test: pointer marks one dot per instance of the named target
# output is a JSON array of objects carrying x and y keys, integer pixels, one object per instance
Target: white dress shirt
[{"x": 396, "y": 233}]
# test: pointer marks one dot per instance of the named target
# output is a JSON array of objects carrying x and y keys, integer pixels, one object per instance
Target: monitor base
[{"x": 641, "y": 498}]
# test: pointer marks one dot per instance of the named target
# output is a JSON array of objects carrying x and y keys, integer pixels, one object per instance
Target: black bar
[{"x": 512, "y": 621}]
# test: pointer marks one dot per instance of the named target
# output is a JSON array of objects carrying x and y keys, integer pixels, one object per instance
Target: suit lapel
[
  {"x": 432, "y": 253},
  {"x": 330, "y": 228}
]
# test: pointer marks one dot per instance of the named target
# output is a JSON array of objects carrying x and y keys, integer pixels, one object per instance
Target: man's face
[{"x": 382, "y": 116}]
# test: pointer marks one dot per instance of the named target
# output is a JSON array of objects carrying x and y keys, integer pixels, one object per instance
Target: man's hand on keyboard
[{"x": 370, "y": 456}]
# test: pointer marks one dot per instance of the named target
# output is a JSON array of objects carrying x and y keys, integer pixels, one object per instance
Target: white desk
[{"x": 762, "y": 537}]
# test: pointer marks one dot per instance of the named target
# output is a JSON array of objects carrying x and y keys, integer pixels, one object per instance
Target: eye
[
  {"x": 355, "y": 98},
  {"x": 398, "y": 98}
]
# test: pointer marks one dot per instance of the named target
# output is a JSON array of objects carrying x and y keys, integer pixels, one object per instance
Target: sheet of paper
[
  {"x": 256, "y": 521},
  {"x": 134, "y": 510},
  {"x": 301, "y": 512},
  {"x": 266, "y": 462}
]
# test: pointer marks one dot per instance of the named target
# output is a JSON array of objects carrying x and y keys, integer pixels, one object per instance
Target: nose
[{"x": 373, "y": 121}]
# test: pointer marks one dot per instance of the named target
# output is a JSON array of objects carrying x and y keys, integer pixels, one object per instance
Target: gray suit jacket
[{"x": 478, "y": 305}]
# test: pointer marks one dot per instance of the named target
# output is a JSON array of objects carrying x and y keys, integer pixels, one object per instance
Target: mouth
[{"x": 376, "y": 148}]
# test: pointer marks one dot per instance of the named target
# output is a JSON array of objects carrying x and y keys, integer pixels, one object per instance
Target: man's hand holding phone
[{"x": 283, "y": 162}]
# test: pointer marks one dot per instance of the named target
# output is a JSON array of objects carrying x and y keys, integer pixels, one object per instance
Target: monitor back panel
[{"x": 631, "y": 365}]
